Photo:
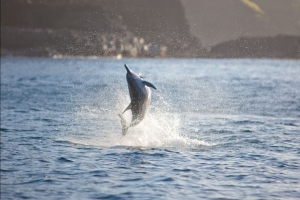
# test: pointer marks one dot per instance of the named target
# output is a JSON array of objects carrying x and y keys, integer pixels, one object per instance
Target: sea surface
[{"x": 216, "y": 129}]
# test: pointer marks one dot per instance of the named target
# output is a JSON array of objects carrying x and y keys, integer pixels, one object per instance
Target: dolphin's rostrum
[{"x": 140, "y": 95}]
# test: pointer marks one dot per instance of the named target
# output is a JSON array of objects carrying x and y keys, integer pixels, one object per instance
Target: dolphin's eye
[{"x": 141, "y": 76}]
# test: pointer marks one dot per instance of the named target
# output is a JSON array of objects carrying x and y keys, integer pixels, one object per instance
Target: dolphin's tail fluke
[{"x": 123, "y": 123}]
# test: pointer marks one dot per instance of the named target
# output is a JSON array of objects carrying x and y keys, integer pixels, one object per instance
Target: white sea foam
[{"x": 157, "y": 130}]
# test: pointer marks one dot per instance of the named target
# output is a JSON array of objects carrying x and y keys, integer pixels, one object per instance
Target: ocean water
[{"x": 216, "y": 129}]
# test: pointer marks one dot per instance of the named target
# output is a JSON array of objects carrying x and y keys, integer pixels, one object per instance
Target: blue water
[{"x": 216, "y": 129}]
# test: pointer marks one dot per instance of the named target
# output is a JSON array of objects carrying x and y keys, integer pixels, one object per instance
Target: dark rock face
[
  {"x": 131, "y": 28},
  {"x": 259, "y": 47}
]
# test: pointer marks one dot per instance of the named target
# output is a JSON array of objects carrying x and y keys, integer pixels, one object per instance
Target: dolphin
[{"x": 140, "y": 95}]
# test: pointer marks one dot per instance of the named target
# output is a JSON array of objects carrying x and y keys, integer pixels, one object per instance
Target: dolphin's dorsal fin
[
  {"x": 128, "y": 108},
  {"x": 149, "y": 84}
]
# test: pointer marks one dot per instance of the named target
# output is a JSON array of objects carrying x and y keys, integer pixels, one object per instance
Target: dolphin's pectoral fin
[
  {"x": 123, "y": 123},
  {"x": 149, "y": 84},
  {"x": 128, "y": 108}
]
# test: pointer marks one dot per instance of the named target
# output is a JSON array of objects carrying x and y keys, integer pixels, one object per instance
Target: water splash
[
  {"x": 157, "y": 130},
  {"x": 101, "y": 127}
]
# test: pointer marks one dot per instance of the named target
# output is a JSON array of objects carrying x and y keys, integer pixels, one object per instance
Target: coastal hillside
[
  {"x": 280, "y": 46},
  {"x": 128, "y": 28},
  {"x": 217, "y": 21},
  {"x": 151, "y": 28}
]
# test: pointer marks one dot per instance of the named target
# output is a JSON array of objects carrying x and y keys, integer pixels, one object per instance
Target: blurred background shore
[{"x": 156, "y": 28}]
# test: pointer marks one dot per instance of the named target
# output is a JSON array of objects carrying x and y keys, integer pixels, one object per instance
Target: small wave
[
  {"x": 4, "y": 130},
  {"x": 62, "y": 159},
  {"x": 290, "y": 124}
]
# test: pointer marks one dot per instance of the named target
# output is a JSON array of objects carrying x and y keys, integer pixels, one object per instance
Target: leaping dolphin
[{"x": 140, "y": 95}]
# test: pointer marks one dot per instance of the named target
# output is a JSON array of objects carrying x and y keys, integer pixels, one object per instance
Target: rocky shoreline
[
  {"x": 63, "y": 42},
  {"x": 280, "y": 46},
  {"x": 58, "y": 43}
]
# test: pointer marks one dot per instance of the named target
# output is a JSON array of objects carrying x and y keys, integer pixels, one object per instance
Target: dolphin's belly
[{"x": 140, "y": 101}]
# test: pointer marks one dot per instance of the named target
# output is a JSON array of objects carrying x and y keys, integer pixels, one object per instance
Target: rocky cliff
[
  {"x": 144, "y": 28},
  {"x": 130, "y": 28}
]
